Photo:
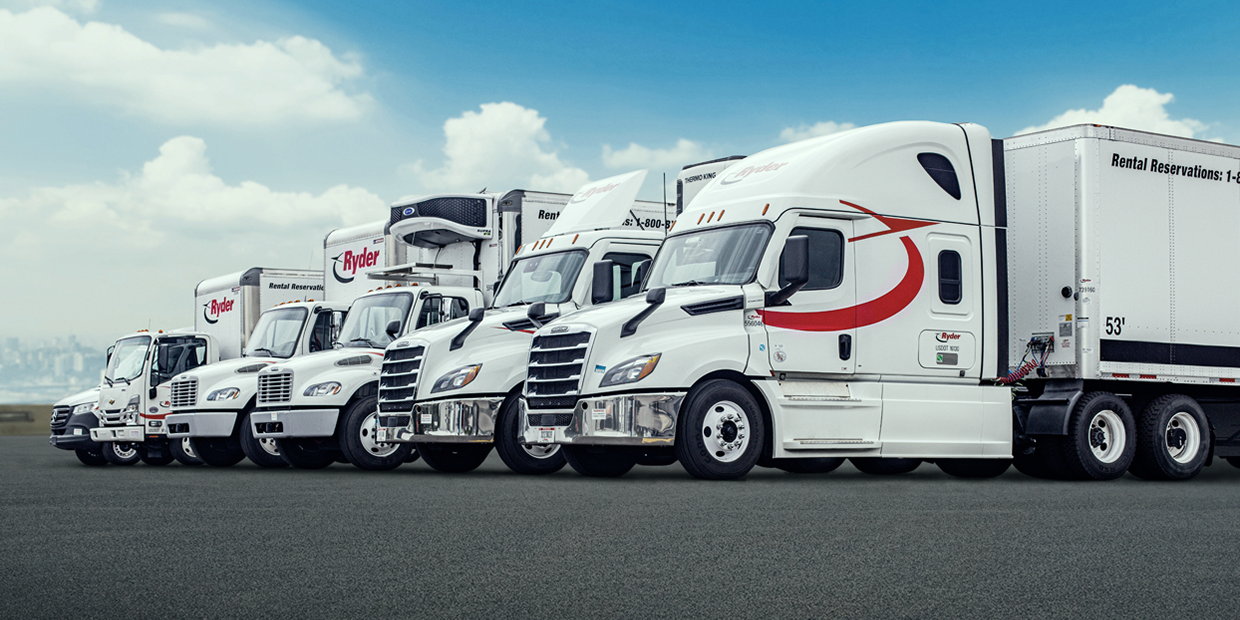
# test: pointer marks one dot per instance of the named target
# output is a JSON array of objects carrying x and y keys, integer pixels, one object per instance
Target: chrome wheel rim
[
  {"x": 1107, "y": 437},
  {"x": 124, "y": 450},
  {"x": 725, "y": 431},
  {"x": 269, "y": 446},
  {"x": 1182, "y": 437},
  {"x": 367, "y": 436},
  {"x": 541, "y": 451},
  {"x": 187, "y": 446}
]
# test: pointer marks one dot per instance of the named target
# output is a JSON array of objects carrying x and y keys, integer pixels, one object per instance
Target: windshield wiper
[
  {"x": 689, "y": 283},
  {"x": 122, "y": 379},
  {"x": 367, "y": 341},
  {"x": 270, "y": 353}
]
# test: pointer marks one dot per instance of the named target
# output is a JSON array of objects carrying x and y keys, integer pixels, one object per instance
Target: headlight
[
  {"x": 224, "y": 394},
  {"x": 456, "y": 379},
  {"x": 130, "y": 413},
  {"x": 322, "y": 389},
  {"x": 630, "y": 371},
  {"x": 85, "y": 408}
]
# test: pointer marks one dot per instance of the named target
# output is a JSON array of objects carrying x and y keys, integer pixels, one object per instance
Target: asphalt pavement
[{"x": 174, "y": 541}]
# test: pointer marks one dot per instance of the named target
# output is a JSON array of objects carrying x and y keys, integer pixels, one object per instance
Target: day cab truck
[
  {"x": 72, "y": 419},
  {"x": 872, "y": 294},
  {"x": 450, "y": 249},
  {"x": 452, "y": 390}
]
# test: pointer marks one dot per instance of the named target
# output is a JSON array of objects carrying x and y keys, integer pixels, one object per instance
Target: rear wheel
[
  {"x": 94, "y": 458},
  {"x": 879, "y": 466},
  {"x": 357, "y": 439},
  {"x": 1173, "y": 439},
  {"x": 599, "y": 462},
  {"x": 218, "y": 451},
  {"x": 1100, "y": 442},
  {"x": 535, "y": 459},
  {"x": 809, "y": 466},
  {"x": 183, "y": 451},
  {"x": 720, "y": 433},
  {"x": 261, "y": 451},
  {"x": 155, "y": 455},
  {"x": 306, "y": 453},
  {"x": 454, "y": 458},
  {"x": 974, "y": 468},
  {"x": 120, "y": 453}
]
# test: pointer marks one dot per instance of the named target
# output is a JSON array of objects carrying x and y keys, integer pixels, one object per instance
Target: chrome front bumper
[
  {"x": 465, "y": 420},
  {"x": 127, "y": 434},
  {"x": 625, "y": 419},
  {"x": 200, "y": 424},
  {"x": 294, "y": 423}
]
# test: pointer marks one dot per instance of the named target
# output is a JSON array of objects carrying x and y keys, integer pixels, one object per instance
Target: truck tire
[
  {"x": 1173, "y": 439},
  {"x": 656, "y": 457},
  {"x": 148, "y": 456},
  {"x": 218, "y": 451},
  {"x": 1234, "y": 461},
  {"x": 120, "y": 453},
  {"x": 94, "y": 458},
  {"x": 823, "y": 465},
  {"x": 413, "y": 456},
  {"x": 879, "y": 466},
  {"x": 720, "y": 432},
  {"x": 1101, "y": 439},
  {"x": 974, "y": 468},
  {"x": 357, "y": 439},
  {"x": 595, "y": 463},
  {"x": 183, "y": 451},
  {"x": 262, "y": 452},
  {"x": 306, "y": 453},
  {"x": 454, "y": 458},
  {"x": 535, "y": 459}
]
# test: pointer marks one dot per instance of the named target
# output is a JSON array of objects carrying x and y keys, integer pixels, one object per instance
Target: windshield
[
  {"x": 127, "y": 359},
  {"x": 719, "y": 256},
  {"x": 175, "y": 355},
  {"x": 548, "y": 278},
  {"x": 366, "y": 325},
  {"x": 276, "y": 333}
]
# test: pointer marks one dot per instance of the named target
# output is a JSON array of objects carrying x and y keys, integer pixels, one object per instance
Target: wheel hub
[
  {"x": 541, "y": 451},
  {"x": 1107, "y": 436},
  {"x": 1183, "y": 437},
  {"x": 367, "y": 436},
  {"x": 187, "y": 446},
  {"x": 724, "y": 431}
]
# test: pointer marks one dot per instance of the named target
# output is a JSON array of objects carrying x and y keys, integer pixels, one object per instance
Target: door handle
[{"x": 845, "y": 346}]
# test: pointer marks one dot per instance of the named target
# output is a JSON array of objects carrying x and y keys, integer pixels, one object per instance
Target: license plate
[
  {"x": 546, "y": 435},
  {"x": 381, "y": 435}
]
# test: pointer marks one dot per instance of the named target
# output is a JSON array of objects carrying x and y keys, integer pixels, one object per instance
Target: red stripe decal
[
  {"x": 893, "y": 224},
  {"x": 1119, "y": 375},
  {"x": 1147, "y": 376},
  {"x": 1226, "y": 380}
]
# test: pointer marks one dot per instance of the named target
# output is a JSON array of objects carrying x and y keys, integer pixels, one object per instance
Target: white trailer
[
  {"x": 694, "y": 177},
  {"x": 871, "y": 294},
  {"x": 228, "y": 306}
]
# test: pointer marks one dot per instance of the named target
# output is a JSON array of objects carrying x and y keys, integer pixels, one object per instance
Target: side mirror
[
  {"x": 393, "y": 329},
  {"x": 654, "y": 299},
  {"x": 475, "y": 317},
  {"x": 476, "y": 314},
  {"x": 655, "y": 296},
  {"x": 603, "y": 282},
  {"x": 794, "y": 265},
  {"x": 535, "y": 311},
  {"x": 153, "y": 393}
]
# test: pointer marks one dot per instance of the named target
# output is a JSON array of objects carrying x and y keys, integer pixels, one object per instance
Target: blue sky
[{"x": 145, "y": 146}]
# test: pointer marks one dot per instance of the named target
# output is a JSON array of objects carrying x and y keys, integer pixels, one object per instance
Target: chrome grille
[
  {"x": 398, "y": 379},
  {"x": 184, "y": 392},
  {"x": 276, "y": 387},
  {"x": 555, "y": 369},
  {"x": 60, "y": 416}
]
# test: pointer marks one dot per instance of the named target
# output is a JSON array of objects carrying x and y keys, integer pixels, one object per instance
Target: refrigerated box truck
[{"x": 871, "y": 294}]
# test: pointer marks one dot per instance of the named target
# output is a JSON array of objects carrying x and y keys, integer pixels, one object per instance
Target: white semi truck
[
  {"x": 322, "y": 408},
  {"x": 871, "y": 294},
  {"x": 452, "y": 390}
]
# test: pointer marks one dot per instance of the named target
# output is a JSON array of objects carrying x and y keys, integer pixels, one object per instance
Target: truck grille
[
  {"x": 276, "y": 387},
  {"x": 184, "y": 393},
  {"x": 555, "y": 369},
  {"x": 550, "y": 419},
  {"x": 398, "y": 379},
  {"x": 60, "y": 416}
]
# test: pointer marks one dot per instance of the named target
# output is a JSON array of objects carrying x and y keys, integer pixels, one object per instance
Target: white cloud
[
  {"x": 292, "y": 79},
  {"x": 1131, "y": 107},
  {"x": 75, "y": 6},
  {"x": 190, "y": 21},
  {"x": 503, "y": 145},
  {"x": 99, "y": 258},
  {"x": 805, "y": 132},
  {"x": 636, "y": 156}
]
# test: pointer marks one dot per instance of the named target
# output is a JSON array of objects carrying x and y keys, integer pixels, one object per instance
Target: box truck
[
  {"x": 452, "y": 390},
  {"x": 228, "y": 306},
  {"x": 445, "y": 252},
  {"x": 872, "y": 294}
]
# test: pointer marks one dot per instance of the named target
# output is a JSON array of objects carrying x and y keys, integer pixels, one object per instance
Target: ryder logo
[
  {"x": 748, "y": 171},
  {"x": 346, "y": 264},
  {"x": 946, "y": 337},
  {"x": 593, "y": 191},
  {"x": 212, "y": 310}
]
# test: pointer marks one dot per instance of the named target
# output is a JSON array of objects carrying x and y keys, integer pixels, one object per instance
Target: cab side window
[
  {"x": 440, "y": 309},
  {"x": 826, "y": 258},
  {"x": 623, "y": 270},
  {"x": 321, "y": 334}
]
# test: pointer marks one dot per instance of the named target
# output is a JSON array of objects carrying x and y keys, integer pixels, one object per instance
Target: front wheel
[
  {"x": 120, "y": 453},
  {"x": 94, "y": 458},
  {"x": 536, "y": 459},
  {"x": 358, "y": 441},
  {"x": 306, "y": 453},
  {"x": 261, "y": 451},
  {"x": 720, "y": 433},
  {"x": 218, "y": 451},
  {"x": 974, "y": 468},
  {"x": 820, "y": 465},
  {"x": 878, "y": 466},
  {"x": 599, "y": 462},
  {"x": 183, "y": 451},
  {"x": 1173, "y": 439},
  {"x": 454, "y": 458}
]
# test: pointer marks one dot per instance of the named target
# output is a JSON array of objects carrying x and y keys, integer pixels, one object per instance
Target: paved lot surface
[{"x": 145, "y": 542}]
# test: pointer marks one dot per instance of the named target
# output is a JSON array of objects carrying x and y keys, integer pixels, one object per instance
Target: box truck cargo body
[
  {"x": 871, "y": 294},
  {"x": 228, "y": 306}
]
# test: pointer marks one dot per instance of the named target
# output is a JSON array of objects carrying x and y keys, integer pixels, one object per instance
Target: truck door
[{"x": 816, "y": 331}]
